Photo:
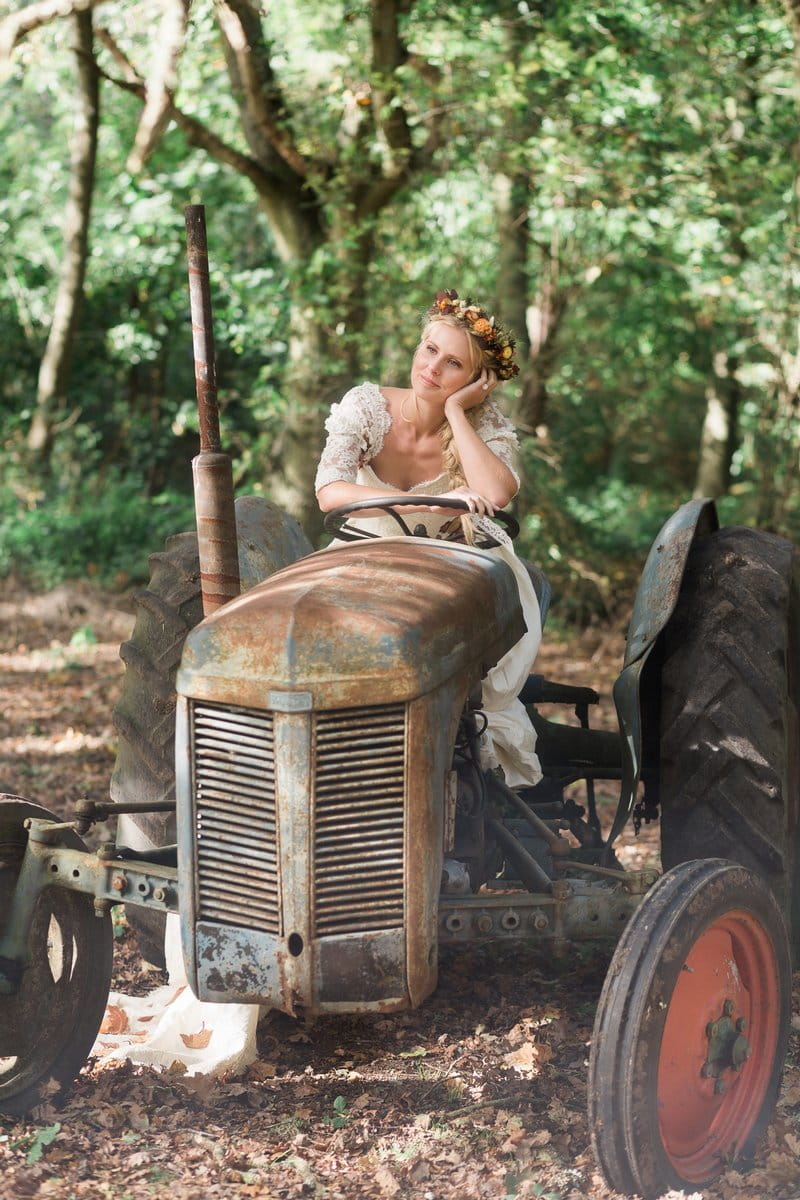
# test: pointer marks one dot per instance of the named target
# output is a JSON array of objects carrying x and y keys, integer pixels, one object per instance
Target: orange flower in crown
[{"x": 495, "y": 341}]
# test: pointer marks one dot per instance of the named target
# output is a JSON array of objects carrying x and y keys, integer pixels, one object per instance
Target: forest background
[{"x": 618, "y": 179}]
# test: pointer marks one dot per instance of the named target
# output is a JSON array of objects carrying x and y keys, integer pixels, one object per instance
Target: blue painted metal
[{"x": 52, "y": 859}]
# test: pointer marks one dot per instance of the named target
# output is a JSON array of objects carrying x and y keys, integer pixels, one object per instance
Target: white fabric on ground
[{"x": 171, "y": 1029}]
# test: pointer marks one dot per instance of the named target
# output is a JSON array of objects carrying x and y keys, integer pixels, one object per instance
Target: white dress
[{"x": 357, "y": 427}]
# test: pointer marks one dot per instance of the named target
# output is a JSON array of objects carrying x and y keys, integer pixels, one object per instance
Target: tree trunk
[
  {"x": 720, "y": 429},
  {"x": 512, "y": 199},
  {"x": 312, "y": 384},
  {"x": 311, "y": 223},
  {"x": 535, "y": 320},
  {"x": 55, "y": 364}
]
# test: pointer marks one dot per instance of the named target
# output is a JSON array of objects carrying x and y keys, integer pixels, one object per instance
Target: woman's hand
[
  {"x": 477, "y": 503},
  {"x": 474, "y": 393}
]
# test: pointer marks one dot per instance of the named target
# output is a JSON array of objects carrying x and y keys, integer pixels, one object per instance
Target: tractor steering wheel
[{"x": 348, "y": 534}]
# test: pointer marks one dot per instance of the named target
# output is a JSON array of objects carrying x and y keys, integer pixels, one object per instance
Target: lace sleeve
[
  {"x": 356, "y": 428},
  {"x": 495, "y": 429}
]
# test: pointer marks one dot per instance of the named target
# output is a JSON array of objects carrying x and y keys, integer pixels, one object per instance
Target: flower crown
[{"x": 495, "y": 341}]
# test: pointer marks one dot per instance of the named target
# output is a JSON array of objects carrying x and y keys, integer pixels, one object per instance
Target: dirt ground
[{"x": 480, "y": 1093}]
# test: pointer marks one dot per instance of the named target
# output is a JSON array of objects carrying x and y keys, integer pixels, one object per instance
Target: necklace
[{"x": 403, "y": 416}]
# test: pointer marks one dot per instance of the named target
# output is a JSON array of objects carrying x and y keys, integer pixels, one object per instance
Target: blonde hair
[{"x": 450, "y": 460}]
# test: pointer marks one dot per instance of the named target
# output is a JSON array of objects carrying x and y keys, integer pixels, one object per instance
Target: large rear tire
[
  {"x": 730, "y": 737},
  {"x": 691, "y": 1030},
  {"x": 144, "y": 718},
  {"x": 167, "y": 610}
]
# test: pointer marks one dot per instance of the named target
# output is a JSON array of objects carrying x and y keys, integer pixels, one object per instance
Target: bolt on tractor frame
[{"x": 328, "y": 824}]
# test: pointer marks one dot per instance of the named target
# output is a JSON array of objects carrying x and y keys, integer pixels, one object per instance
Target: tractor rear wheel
[
  {"x": 144, "y": 718},
  {"x": 691, "y": 1030},
  {"x": 730, "y": 738}
]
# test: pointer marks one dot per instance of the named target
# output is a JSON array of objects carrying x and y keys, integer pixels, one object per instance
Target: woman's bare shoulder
[{"x": 393, "y": 394}]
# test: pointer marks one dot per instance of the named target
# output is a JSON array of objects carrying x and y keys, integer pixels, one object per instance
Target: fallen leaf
[
  {"x": 115, "y": 1020},
  {"x": 199, "y": 1040},
  {"x": 528, "y": 1059},
  {"x": 386, "y": 1181}
]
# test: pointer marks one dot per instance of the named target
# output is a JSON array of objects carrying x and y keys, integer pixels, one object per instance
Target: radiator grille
[
  {"x": 234, "y": 785},
  {"x": 358, "y": 821}
]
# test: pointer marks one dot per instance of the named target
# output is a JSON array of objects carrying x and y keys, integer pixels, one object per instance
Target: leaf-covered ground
[{"x": 480, "y": 1093}]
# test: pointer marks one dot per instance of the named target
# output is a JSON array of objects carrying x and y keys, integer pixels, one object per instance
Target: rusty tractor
[{"x": 299, "y": 778}]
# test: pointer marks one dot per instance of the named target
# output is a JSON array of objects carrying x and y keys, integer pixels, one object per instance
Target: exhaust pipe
[{"x": 212, "y": 471}]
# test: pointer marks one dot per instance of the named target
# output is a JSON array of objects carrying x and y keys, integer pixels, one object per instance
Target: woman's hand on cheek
[{"x": 473, "y": 393}]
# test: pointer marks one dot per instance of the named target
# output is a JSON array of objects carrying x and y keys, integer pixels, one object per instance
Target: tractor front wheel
[
  {"x": 691, "y": 1030},
  {"x": 49, "y": 1024}
]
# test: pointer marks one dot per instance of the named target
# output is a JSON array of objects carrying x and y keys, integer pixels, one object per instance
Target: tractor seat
[
  {"x": 538, "y": 690},
  {"x": 569, "y": 749}
]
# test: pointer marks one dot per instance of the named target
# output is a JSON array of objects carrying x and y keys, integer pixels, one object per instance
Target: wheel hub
[{"x": 728, "y": 1048}]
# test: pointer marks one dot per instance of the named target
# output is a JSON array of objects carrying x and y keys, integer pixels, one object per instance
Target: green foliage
[
  {"x": 341, "y": 1114},
  {"x": 43, "y": 1138},
  {"x": 650, "y": 152},
  {"x": 105, "y": 535}
]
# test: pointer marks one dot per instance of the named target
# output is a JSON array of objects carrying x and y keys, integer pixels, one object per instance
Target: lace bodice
[{"x": 357, "y": 427}]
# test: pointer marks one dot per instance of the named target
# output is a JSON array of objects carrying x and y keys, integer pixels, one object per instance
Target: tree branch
[
  {"x": 792, "y": 10},
  {"x": 389, "y": 52},
  {"x": 161, "y": 81},
  {"x": 264, "y": 110},
  {"x": 401, "y": 158},
  {"x": 196, "y": 133},
  {"x": 14, "y": 27}
]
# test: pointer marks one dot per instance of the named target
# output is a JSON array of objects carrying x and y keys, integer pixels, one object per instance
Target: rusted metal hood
[{"x": 358, "y": 624}]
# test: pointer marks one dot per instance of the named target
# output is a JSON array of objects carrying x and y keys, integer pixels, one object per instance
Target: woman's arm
[
  {"x": 341, "y": 492},
  {"x": 483, "y": 470}
]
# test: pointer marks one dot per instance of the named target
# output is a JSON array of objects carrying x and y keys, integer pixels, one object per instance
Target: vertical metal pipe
[{"x": 211, "y": 469}]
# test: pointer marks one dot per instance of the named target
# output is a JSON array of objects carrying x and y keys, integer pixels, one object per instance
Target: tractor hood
[{"x": 359, "y": 624}]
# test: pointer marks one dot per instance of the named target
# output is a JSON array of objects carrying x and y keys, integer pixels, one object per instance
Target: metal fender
[{"x": 655, "y": 602}]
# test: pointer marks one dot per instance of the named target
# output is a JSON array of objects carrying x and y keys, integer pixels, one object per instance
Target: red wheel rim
[{"x": 703, "y": 1120}]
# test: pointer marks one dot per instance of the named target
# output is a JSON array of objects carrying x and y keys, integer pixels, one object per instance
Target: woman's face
[{"x": 442, "y": 362}]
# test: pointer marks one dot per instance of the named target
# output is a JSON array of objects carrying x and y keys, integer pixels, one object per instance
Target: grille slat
[
  {"x": 220, "y": 757},
  {"x": 240, "y": 791},
  {"x": 234, "y": 782},
  {"x": 359, "y": 820}
]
